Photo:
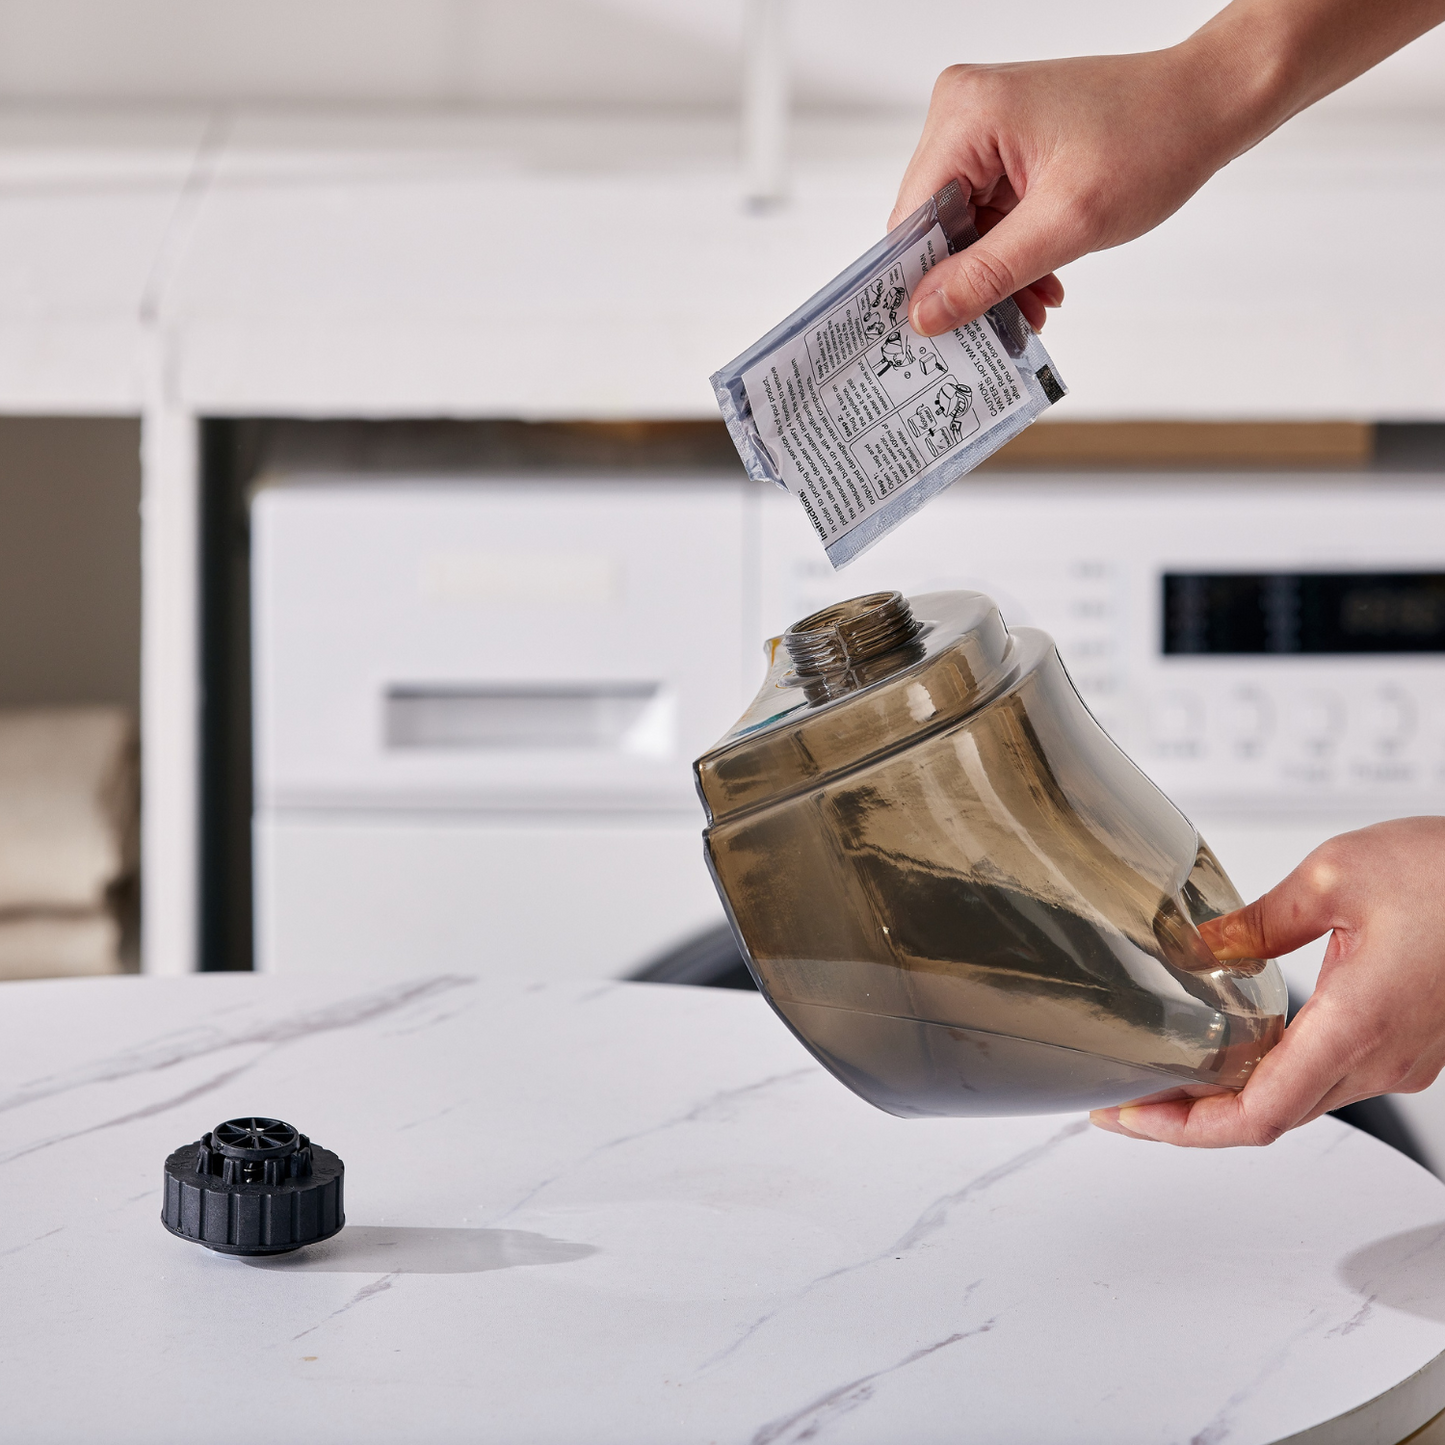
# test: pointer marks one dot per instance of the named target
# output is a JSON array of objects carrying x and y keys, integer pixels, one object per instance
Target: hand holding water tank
[{"x": 1376, "y": 1021}]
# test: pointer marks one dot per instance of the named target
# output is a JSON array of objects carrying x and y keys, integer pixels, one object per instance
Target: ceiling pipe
[{"x": 765, "y": 103}]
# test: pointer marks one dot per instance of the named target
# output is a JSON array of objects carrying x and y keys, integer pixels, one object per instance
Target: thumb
[
  {"x": 1032, "y": 240},
  {"x": 1292, "y": 914}
]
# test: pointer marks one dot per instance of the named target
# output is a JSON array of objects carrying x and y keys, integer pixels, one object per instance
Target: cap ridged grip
[{"x": 253, "y": 1186}]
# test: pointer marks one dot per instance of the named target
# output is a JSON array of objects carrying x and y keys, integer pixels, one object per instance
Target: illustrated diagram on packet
[{"x": 845, "y": 406}]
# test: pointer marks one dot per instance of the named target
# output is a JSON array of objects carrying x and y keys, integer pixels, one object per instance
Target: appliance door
[
  {"x": 559, "y": 897},
  {"x": 476, "y": 708}
]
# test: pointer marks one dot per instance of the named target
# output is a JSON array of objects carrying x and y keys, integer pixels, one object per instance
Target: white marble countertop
[{"x": 635, "y": 1213}]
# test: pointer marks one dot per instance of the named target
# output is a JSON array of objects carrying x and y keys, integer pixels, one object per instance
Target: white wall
[{"x": 687, "y": 53}]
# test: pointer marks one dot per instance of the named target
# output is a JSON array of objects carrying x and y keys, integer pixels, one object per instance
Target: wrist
[{"x": 1243, "y": 75}]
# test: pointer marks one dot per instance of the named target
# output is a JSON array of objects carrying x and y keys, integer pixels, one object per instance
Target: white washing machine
[
  {"x": 1270, "y": 649},
  {"x": 477, "y": 702},
  {"x": 476, "y": 707}
]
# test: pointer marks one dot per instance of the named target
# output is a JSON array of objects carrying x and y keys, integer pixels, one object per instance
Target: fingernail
[
  {"x": 931, "y": 314},
  {"x": 1129, "y": 1119}
]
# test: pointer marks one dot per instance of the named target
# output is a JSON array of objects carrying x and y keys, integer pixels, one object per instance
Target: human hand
[
  {"x": 1376, "y": 1021},
  {"x": 1063, "y": 157},
  {"x": 1070, "y": 156}
]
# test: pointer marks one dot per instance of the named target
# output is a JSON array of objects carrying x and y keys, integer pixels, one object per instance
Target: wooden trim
[
  {"x": 699, "y": 444},
  {"x": 1186, "y": 444}
]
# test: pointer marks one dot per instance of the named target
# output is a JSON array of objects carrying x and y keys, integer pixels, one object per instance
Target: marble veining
[
  {"x": 713, "y": 1103},
  {"x": 428, "y": 1118},
  {"x": 634, "y": 1214},
  {"x": 16, "y": 1248},
  {"x": 149, "y": 1111},
  {"x": 934, "y": 1218},
  {"x": 180, "y": 1046},
  {"x": 1357, "y": 1319},
  {"x": 814, "y": 1418},
  {"x": 1220, "y": 1427},
  {"x": 366, "y": 1292}
]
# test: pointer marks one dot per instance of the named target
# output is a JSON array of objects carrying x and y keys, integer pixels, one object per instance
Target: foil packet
[{"x": 845, "y": 406}]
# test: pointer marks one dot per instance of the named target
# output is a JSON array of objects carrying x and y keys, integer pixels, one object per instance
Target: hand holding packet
[{"x": 845, "y": 406}]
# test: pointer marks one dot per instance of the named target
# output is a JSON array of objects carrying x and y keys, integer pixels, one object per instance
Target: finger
[
  {"x": 945, "y": 153},
  {"x": 1219, "y": 1121},
  {"x": 1292, "y": 914},
  {"x": 1032, "y": 308},
  {"x": 901, "y": 212},
  {"x": 1375, "y": 1071},
  {"x": 1023, "y": 248},
  {"x": 1049, "y": 289},
  {"x": 1343, "y": 1093},
  {"x": 992, "y": 203},
  {"x": 1033, "y": 301},
  {"x": 1286, "y": 1090},
  {"x": 1353, "y": 1088},
  {"x": 1108, "y": 1120},
  {"x": 933, "y": 164},
  {"x": 927, "y": 174}
]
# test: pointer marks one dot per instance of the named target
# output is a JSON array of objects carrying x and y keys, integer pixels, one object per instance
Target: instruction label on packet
[{"x": 859, "y": 407}]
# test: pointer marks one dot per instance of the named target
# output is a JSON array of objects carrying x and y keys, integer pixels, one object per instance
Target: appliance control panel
[{"x": 1265, "y": 642}]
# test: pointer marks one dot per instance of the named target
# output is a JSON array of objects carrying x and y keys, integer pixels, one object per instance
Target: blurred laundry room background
[{"x": 373, "y": 563}]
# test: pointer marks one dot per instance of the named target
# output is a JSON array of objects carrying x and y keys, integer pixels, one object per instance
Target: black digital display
[{"x": 1240, "y": 613}]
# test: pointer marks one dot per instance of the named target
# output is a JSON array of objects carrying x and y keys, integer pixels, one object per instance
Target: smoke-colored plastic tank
[{"x": 955, "y": 888}]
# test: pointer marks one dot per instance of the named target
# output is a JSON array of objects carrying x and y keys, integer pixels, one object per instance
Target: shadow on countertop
[
  {"x": 412, "y": 1249},
  {"x": 1405, "y": 1271}
]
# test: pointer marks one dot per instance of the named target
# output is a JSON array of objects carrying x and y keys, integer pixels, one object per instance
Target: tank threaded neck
[{"x": 848, "y": 633}]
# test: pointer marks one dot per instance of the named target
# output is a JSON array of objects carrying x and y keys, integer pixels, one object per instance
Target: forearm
[
  {"x": 1269, "y": 59},
  {"x": 1064, "y": 157}
]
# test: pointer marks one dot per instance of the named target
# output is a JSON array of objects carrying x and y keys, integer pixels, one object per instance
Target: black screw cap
[{"x": 253, "y": 1186}]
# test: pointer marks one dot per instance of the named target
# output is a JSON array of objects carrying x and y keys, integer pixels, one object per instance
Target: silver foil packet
[{"x": 845, "y": 406}]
